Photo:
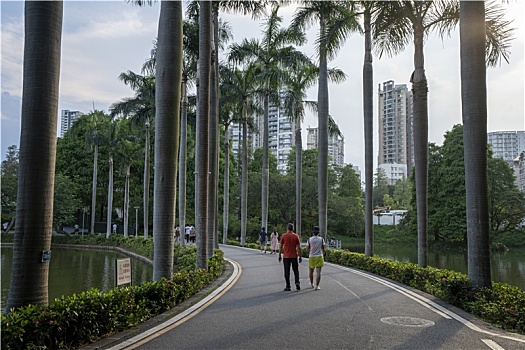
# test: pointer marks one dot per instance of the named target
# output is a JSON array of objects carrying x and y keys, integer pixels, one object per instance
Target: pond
[
  {"x": 506, "y": 267},
  {"x": 76, "y": 270}
]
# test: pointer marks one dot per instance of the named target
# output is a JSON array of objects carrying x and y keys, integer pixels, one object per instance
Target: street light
[
  {"x": 137, "y": 221},
  {"x": 83, "y": 215}
]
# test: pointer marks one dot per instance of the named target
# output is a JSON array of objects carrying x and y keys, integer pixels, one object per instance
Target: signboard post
[{"x": 123, "y": 271}]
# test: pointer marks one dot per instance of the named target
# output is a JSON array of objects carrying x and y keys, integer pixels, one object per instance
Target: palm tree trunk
[
  {"x": 168, "y": 80},
  {"x": 110, "y": 198},
  {"x": 474, "y": 110},
  {"x": 420, "y": 96},
  {"x": 146, "y": 181},
  {"x": 126, "y": 200},
  {"x": 322, "y": 145},
  {"x": 34, "y": 212},
  {"x": 94, "y": 189},
  {"x": 212, "y": 139},
  {"x": 298, "y": 176},
  {"x": 226, "y": 185},
  {"x": 244, "y": 177},
  {"x": 368, "y": 115},
  {"x": 182, "y": 161},
  {"x": 202, "y": 132},
  {"x": 265, "y": 168}
]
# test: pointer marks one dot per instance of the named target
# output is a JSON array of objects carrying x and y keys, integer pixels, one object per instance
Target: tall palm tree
[
  {"x": 368, "y": 8},
  {"x": 168, "y": 77},
  {"x": 95, "y": 124},
  {"x": 336, "y": 20},
  {"x": 141, "y": 110},
  {"x": 473, "y": 49},
  {"x": 34, "y": 214},
  {"x": 240, "y": 88},
  {"x": 203, "y": 115},
  {"x": 395, "y": 24},
  {"x": 112, "y": 141},
  {"x": 272, "y": 54},
  {"x": 301, "y": 77}
]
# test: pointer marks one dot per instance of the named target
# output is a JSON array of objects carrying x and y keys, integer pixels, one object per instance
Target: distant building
[
  {"x": 507, "y": 145},
  {"x": 394, "y": 172},
  {"x": 336, "y": 146},
  {"x": 281, "y": 135},
  {"x": 395, "y": 116},
  {"x": 67, "y": 118},
  {"x": 519, "y": 171}
]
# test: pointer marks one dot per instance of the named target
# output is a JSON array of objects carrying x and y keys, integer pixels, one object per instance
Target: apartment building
[
  {"x": 336, "y": 146},
  {"x": 395, "y": 119},
  {"x": 67, "y": 118}
]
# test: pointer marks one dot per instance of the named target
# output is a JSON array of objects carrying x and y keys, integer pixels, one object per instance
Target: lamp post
[
  {"x": 137, "y": 221},
  {"x": 83, "y": 215}
]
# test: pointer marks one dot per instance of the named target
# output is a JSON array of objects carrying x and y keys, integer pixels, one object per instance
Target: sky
[{"x": 102, "y": 39}]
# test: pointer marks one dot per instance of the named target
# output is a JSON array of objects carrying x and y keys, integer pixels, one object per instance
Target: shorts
[{"x": 315, "y": 261}]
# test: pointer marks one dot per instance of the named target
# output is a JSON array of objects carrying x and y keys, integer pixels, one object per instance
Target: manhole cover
[{"x": 407, "y": 321}]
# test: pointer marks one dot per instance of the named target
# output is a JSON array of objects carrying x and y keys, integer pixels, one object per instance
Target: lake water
[
  {"x": 507, "y": 267},
  {"x": 76, "y": 270}
]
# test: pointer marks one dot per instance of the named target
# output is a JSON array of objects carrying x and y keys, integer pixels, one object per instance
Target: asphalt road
[{"x": 353, "y": 310}]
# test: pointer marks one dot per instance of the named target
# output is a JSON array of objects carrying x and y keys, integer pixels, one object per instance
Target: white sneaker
[
  {"x": 317, "y": 288},
  {"x": 311, "y": 285}
]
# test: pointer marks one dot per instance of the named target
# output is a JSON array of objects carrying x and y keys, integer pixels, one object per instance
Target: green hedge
[
  {"x": 502, "y": 305},
  {"x": 82, "y": 318}
]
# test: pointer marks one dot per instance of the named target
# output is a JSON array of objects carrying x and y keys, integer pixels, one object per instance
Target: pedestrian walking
[
  {"x": 5, "y": 224},
  {"x": 192, "y": 234},
  {"x": 187, "y": 230},
  {"x": 262, "y": 240},
  {"x": 114, "y": 228},
  {"x": 177, "y": 234},
  {"x": 274, "y": 241},
  {"x": 291, "y": 252},
  {"x": 316, "y": 248}
]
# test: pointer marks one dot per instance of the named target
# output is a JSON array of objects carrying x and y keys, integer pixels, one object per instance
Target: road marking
[
  {"x": 184, "y": 316},
  {"x": 492, "y": 344},
  {"x": 427, "y": 303},
  {"x": 351, "y": 292}
]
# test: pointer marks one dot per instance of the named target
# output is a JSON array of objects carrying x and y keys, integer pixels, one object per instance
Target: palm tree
[
  {"x": 473, "y": 46},
  {"x": 368, "y": 8},
  {"x": 336, "y": 20},
  {"x": 395, "y": 24},
  {"x": 141, "y": 110},
  {"x": 113, "y": 141},
  {"x": 34, "y": 214},
  {"x": 239, "y": 89},
  {"x": 94, "y": 123},
  {"x": 271, "y": 54},
  {"x": 168, "y": 76},
  {"x": 301, "y": 77},
  {"x": 201, "y": 152}
]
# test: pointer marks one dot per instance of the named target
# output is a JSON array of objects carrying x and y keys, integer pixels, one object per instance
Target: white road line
[
  {"x": 427, "y": 303},
  {"x": 151, "y": 333},
  {"x": 492, "y": 344},
  {"x": 351, "y": 292}
]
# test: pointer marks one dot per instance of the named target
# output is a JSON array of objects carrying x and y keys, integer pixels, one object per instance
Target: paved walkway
[{"x": 353, "y": 310}]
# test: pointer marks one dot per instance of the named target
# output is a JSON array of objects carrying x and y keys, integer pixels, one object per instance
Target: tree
[
  {"x": 168, "y": 77},
  {"x": 112, "y": 139},
  {"x": 94, "y": 124},
  {"x": 141, "y": 110},
  {"x": 65, "y": 202},
  {"x": 336, "y": 20},
  {"x": 34, "y": 213},
  {"x": 203, "y": 115},
  {"x": 9, "y": 184},
  {"x": 271, "y": 55},
  {"x": 240, "y": 88}
]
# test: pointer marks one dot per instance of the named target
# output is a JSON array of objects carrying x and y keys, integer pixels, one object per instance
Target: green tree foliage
[
  {"x": 9, "y": 183},
  {"x": 381, "y": 187},
  {"x": 66, "y": 201},
  {"x": 447, "y": 194}
]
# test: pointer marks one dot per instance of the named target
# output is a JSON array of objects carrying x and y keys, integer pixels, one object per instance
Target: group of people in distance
[
  {"x": 290, "y": 254},
  {"x": 189, "y": 234}
]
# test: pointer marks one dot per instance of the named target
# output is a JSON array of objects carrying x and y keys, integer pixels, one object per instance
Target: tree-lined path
[{"x": 353, "y": 310}]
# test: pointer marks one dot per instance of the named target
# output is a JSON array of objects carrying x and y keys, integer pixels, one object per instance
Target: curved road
[{"x": 353, "y": 310}]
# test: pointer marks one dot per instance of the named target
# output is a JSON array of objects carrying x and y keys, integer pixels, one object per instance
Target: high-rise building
[
  {"x": 336, "y": 146},
  {"x": 507, "y": 145},
  {"x": 395, "y": 125},
  {"x": 281, "y": 135},
  {"x": 67, "y": 118}
]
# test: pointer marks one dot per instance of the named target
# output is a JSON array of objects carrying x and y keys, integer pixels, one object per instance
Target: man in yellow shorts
[{"x": 316, "y": 248}]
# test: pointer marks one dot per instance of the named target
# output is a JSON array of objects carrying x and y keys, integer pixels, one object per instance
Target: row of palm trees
[{"x": 388, "y": 25}]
